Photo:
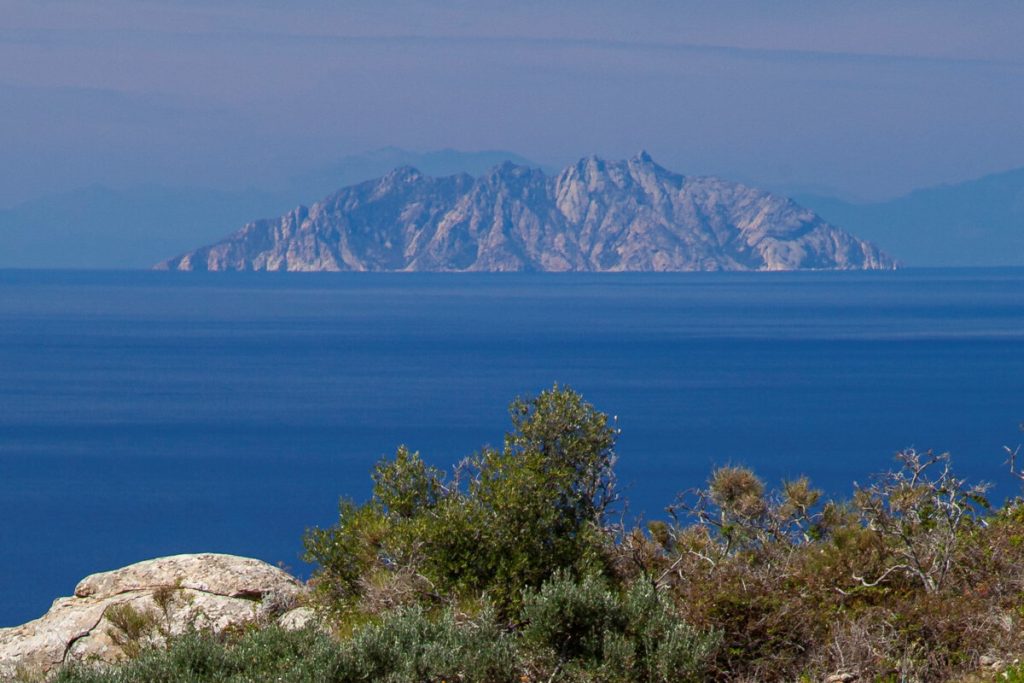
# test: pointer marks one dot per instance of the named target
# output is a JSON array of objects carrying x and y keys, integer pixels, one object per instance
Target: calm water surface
[{"x": 145, "y": 414}]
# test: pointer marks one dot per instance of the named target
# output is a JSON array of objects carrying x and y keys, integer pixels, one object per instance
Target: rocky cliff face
[{"x": 595, "y": 215}]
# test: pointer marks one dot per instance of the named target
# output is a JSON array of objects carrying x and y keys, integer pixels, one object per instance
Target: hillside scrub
[{"x": 513, "y": 567}]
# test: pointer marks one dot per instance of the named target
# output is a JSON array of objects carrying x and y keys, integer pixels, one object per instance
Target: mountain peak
[
  {"x": 403, "y": 174},
  {"x": 642, "y": 157},
  {"x": 508, "y": 167}
]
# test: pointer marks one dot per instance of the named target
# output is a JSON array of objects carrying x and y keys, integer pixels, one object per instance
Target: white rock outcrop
[{"x": 115, "y": 611}]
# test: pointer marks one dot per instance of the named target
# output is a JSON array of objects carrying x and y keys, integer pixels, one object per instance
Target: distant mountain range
[
  {"x": 98, "y": 227},
  {"x": 975, "y": 223},
  {"x": 595, "y": 215}
]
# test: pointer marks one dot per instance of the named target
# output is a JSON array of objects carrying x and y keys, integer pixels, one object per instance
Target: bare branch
[{"x": 880, "y": 579}]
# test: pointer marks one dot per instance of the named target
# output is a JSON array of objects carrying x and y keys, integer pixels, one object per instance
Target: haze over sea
[{"x": 146, "y": 414}]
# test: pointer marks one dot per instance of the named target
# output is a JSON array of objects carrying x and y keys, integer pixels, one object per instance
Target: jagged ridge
[{"x": 595, "y": 215}]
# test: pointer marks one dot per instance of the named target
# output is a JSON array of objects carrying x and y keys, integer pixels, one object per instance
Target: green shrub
[
  {"x": 269, "y": 654},
  {"x": 665, "y": 647},
  {"x": 571, "y": 618},
  {"x": 404, "y": 646},
  {"x": 593, "y": 632},
  {"x": 408, "y": 645},
  {"x": 130, "y": 628}
]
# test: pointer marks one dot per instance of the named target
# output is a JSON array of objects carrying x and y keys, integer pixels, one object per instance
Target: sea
[{"x": 145, "y": 414}]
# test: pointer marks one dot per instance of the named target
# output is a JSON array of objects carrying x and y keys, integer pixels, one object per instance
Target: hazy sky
[{"x": 860, "y": 98}]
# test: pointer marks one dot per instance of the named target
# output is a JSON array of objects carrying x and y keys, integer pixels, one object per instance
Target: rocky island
[{"x": 595, "y": 215}]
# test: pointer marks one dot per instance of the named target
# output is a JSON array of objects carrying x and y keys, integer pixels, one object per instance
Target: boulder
[{"x": 118, "y": 612}]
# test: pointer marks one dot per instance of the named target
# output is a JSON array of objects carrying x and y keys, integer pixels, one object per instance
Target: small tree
[
  {"x": 736, "y": 513},
  {"x": 920, "y": 512},
  {"x": 506, "y": 519}
]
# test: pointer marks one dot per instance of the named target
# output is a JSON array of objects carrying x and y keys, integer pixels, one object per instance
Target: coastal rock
[
  {"x": 114, "y": 612},
  {"x": 595, "y": 215}
]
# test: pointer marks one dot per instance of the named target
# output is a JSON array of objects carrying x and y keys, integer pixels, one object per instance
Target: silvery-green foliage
[
  {"x": 592, "y": 632},
  {"x": 409, "y": 645}
]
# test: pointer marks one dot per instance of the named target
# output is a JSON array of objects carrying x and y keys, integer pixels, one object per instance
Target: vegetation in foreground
[{"x": 512, "y": 567}]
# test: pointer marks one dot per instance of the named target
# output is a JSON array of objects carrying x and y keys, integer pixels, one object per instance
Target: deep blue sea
[{"x": 144, "y": 414}]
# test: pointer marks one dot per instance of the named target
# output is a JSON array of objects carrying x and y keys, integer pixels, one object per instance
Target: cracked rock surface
[{"x": 172, "y": 594}]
